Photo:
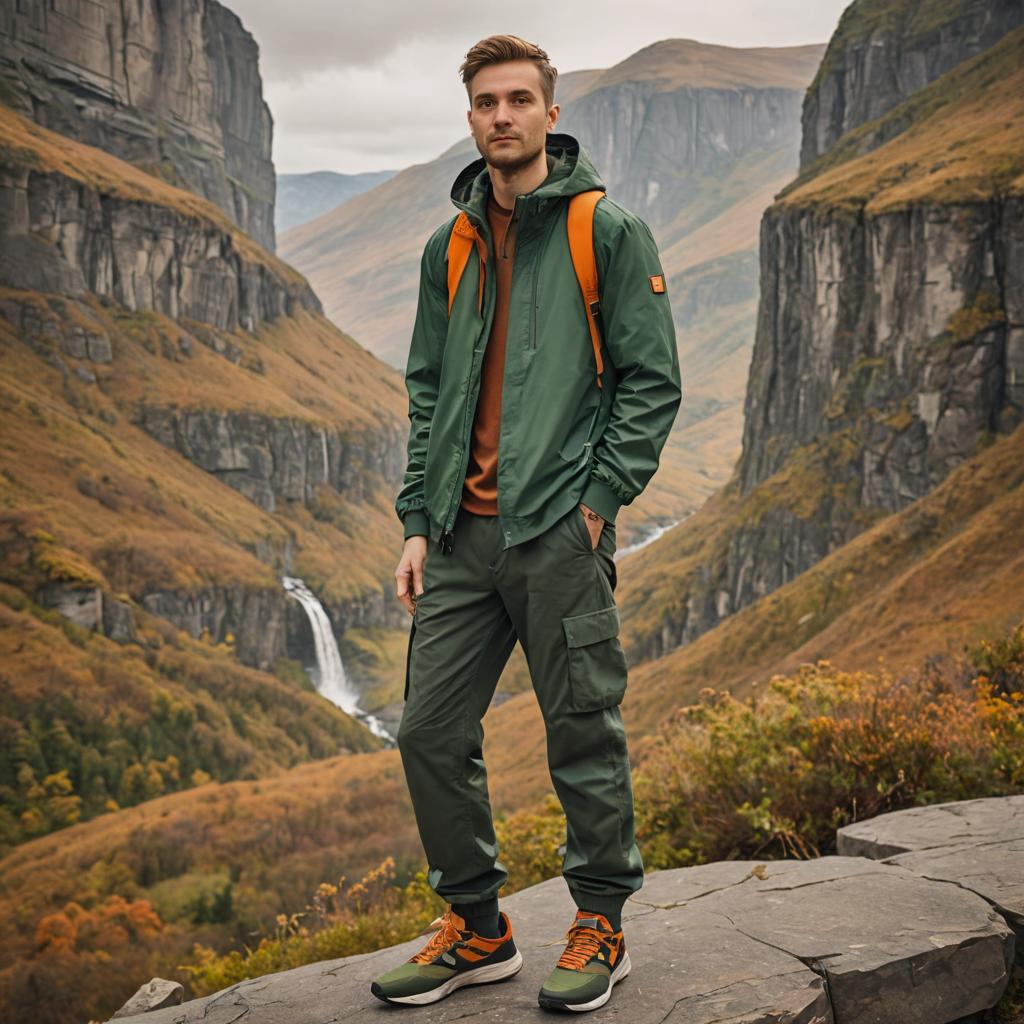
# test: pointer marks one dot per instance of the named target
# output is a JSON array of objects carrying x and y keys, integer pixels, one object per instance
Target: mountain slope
[
  {"x": 180, "y": 428},
  {"x": 884, "y": 50},
  {"x": 866, "y": 388}
]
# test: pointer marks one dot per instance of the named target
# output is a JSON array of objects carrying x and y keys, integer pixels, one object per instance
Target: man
[{"x": 520, "y": 454}]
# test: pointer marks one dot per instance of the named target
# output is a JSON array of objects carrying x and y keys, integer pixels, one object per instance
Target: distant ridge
[{"x": 301, "y": 197}]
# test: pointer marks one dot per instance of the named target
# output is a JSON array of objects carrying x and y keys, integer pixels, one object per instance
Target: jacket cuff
[
  {"x": 416, "y": 523},
  {"x": 601, "y": 498}
]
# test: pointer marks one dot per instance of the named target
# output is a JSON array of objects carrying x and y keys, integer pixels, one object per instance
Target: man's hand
[
  {"x": 595, "y": 524},
  {"x": 409, "y": 573}
]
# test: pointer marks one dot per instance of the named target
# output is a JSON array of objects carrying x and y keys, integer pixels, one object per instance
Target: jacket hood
[{"x": 569, "y": 171}]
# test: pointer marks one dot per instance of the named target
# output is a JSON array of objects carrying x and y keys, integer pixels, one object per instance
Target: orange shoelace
[
  {"x": 584, "y": 942},
  {"x": 445, "y": 935}
]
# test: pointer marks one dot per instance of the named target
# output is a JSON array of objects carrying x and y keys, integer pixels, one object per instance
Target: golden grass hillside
[
  {"x": 104, "y": 487},
  {"x": 89, "y": 499},
  {"x": 946, "y": 571}
]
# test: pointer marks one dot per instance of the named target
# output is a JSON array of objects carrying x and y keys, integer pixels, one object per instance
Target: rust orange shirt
[{"x": 480, "y": 488}]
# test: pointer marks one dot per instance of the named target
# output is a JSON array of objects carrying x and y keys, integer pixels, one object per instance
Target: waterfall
[
  {"x": 323, "y": 448},
  {"x": 332, "y": 682}
]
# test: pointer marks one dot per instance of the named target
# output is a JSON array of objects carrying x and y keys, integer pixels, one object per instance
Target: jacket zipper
[{"x": 447, "y": 535}]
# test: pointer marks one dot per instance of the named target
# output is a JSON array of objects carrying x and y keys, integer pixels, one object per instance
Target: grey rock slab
[
  {"x": 893, "y": 946},
  {"x": 688, "y": 968},
  {"x": 923, "y": 828},
  {"x": 692, "y": 967},
  {"x": 993, "y": 870},
  {"x": 978, "y": 844}
]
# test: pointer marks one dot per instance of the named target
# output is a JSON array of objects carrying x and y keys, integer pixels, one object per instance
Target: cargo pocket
[
  {"x": 597, "y": 662},
  {"x": 408, "y": 657}
]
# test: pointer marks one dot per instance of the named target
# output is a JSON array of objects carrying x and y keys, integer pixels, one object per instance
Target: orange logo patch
[{"x": 657, "y": 283}]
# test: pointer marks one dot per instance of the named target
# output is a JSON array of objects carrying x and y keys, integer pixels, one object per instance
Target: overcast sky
[{"x": 370, "y": 86}]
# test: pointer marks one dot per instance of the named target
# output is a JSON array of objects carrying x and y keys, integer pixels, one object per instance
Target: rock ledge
[{"x": 920, "y": 926}]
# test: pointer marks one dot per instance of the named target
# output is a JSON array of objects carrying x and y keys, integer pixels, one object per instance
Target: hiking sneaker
[
  {"x": 593, "y": 961},
  {"x": 454, "y": 956}
]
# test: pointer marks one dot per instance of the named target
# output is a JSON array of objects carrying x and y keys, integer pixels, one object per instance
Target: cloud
[
  {"x": 388, "y": 115},
  {"x": 366, "y": 86},
  {"x": 303, "y": 37}
]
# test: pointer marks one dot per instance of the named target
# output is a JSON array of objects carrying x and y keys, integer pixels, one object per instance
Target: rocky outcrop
[
  {"x": 153, "y": 996},
  {"x": 875, "y": 61},
  {"x": 806, "y": 942},
  {"x": 977, "y": 844},
  {"x": 90, "y": 608},
  {"x": 255, "y": 618},
  {"x": 61, "y": 236},
  {"x": 271, "y": 459},
  {"x": 274, "y": 462},
  {"x": 172, "y": 86}
]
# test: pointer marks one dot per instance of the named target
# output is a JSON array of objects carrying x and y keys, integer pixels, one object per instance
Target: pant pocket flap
[{"x": 589, "y": 628}]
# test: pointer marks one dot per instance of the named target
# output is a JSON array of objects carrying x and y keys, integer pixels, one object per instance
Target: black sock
[
  {"x": 614, "y": 917},
  {"x": 480, "y": 917}
]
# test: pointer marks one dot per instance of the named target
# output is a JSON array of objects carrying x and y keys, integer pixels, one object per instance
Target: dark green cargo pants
[{"x": 555, "y": 594}]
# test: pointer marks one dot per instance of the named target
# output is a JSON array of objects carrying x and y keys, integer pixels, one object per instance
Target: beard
[{"x": 509, "y": 162}]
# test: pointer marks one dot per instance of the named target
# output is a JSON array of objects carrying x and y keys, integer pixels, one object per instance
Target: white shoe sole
[
  {"x": 478, "y": 976},
  {"x": 621, "y": 970}
]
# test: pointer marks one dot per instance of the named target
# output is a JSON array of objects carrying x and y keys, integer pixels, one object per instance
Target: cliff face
[
  {"x": 172, "y": 86},
  {"x": 169, "y": 324},
  {"x": 911, "y": 339},
  {"x": 889, "y": 345},
  {"x": 273, "y": 460},
  {"x": 658, "y": 149},
  {"x": 62, "y": 236},
  {"x": 883, "y": 51}
]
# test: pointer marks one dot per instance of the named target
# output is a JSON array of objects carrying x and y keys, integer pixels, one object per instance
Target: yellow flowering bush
[{"x": 777, "y": 773}]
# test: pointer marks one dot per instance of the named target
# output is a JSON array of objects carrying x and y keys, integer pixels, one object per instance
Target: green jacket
[{"x": 563, "y": 440}]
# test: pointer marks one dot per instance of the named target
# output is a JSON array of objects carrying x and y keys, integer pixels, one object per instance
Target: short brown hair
[{"x": 497, "y": 49}]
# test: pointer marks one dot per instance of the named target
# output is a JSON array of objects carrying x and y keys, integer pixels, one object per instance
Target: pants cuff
[{"x": 602, "y": 904}]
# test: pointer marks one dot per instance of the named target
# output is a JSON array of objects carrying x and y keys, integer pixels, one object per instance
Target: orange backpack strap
[
  {"x": 460, "y": 244},
  {"x": 581, "y": 247}
]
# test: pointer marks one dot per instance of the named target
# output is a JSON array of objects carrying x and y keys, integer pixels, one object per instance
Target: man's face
[{"x": 507, "y": 115}]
